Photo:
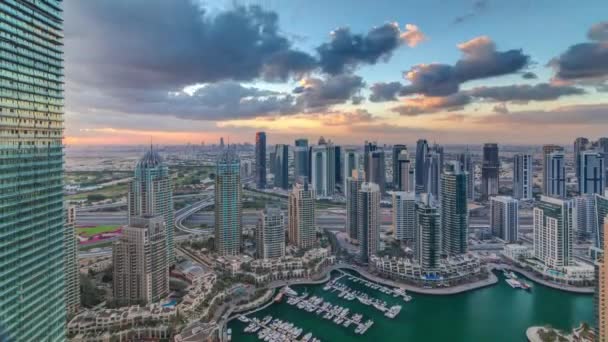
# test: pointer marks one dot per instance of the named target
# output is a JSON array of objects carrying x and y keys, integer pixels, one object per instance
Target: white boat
[
  {"x": 290, "y": 292},
  {"x": 307, "y": 337},
  {"x": 513, "y": 283},
  {"x": 243, "y": 319}
]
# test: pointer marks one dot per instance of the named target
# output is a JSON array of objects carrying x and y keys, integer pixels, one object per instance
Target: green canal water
[{"x": 494, "y": 314}]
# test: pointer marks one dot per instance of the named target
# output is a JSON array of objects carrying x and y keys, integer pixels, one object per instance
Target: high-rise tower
[
  {"x": 300, "y": 159},
  {"x": 522, "y": 176},
  {"x": 504, "y": 218},
  {"x": 490, "y": 171},
  {"x": 397, "y": 149},
  {"x": 454, "y": 211},
  {"x": 281, "y": 166},
  {"x": 591, "y": 172},
  {"x": 32, "y": 303},
  {"x": 368, "y": 220},
  {"x": 301, "y": 208},
  {"x": 228, "y": 204},
  {"x": 270, "y": 234},
  {"x": 71, "y": 265},
  {"x": 260, "y": 160},
  {"x": 547, "y": 150}
]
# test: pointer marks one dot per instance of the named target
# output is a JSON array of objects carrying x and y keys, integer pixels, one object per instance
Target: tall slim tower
[
  {"x": 270, "y": 234},
  {"x": 301, "y": 158},
  {"x": 580, "y": 144},
  {"x": 32, "y": 305},
  {"x": 228, "y": 204},
  {"x": 397, "y": 149},
  {"x": 591, "y": 172},
  {"x": 70, "y": 264},
  {"x": 301, "y": 208},
  {"x": 150, "y": 194},
  {"x": 601, "y": 291},
  {"x": 504, "y": 218},
  {"x": 139, "y": 260},
  {"x": 368, "y": 148},
  {"x": 467, "y": 165},
  {"x": 454, "y": 211},
  {"x": 377, "y": 169},
  {"x": 260, "y": 160},
  {"x": 353, "y": 185},
  {"x": 323, "y": 170},
  {"x": 406, "y": 173},
  {"x": 281, "y": 166},
  {"x": 404, "y": 215},
  {"x": 351, "y": 163},
  {"x": 427, "y": 239},
  {"x": 433, "y": 178},
  {"x": 522, "y": 176},
  {"x": 422, "y": 149},
  {"x": 368, "y": 220},
  {"x": 555, "y": 168},
  {"x": 490, "y": 171},
  {"x": 547, "y": 150},
  {"x": 553, "y": 231}
]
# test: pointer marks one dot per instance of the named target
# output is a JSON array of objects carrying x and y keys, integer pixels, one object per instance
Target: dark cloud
[
  {"x": 320, "y": 93},
  {"x": 525, "y": 93},
  {"x": 567, "y": 116},
  {"x": 529, "y": 75},
  {"x": 599, "y": 31},
  {"x": 428, "y": 105},
  {"x": 585, "y": 60},
  {"x": 346, "y": 50},
  {"x": 479, "y": 6},
  {"x": 480, "y": 60},
  {"x": 500, "y": 108},
  {"x": 385, "y": 91}
]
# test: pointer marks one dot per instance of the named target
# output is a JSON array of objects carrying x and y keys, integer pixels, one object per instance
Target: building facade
[
  {"x": 323, "y": 174},
  {"x": 150, "y": 194},
  {"x": 504, "y": 218},
  {"x": 301, "y": 207},
  {"x": 547, "y": 151},
  {"x": 377, "y": 169},
  {"x": 32, "y": 307},
  {"x": 490, "y": 171},
  {"x": 422, "y": 149},
  {"x": 553, "y": 232},
  {"x": 581, "y": 144},
  {"x": 522, "y": 176},
  {"x": 353, "y": 185},
  {"x": 591, "y": 172},
  {"x": 427, "y": 239},
  {"x": 70, "y": 263},
  {"x": 281, "y": 166},
  {"x": 228, "y": 204},
  {"x": 260, "y": 160},
  {"x": 300, "y": 159},
  {"x": 396, "y": 152},
  {"x": 405, "y": 173},
  {"x": 556, "y": 175},
  {"x": 601, "y": 292},
  {"x": 467, "y": 165},
  {"x": 139, "y": 260},
  {"x": 404, "y": 215},
  {"x": 351, "y": 163},
  {"x": 368, "y": 220},
  {"x": 434, "y": 169},
  {"x": 270, "y": 234},
  {"x": 454, "y": 210}
]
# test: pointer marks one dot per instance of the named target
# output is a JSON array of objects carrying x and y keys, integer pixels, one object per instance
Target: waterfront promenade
[{"x": 533, "y": 276}]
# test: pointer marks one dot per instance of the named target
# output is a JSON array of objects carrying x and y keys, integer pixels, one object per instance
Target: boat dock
[
  {"x": 395, "y": 292},
  {"x": 276, "y": 330}
]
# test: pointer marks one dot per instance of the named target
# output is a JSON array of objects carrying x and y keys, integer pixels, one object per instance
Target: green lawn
[
  {"x": 95, "y": 230},
  {"x": 112, "y": 191}
]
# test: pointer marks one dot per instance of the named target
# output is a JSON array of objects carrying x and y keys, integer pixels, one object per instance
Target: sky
[{"x": 454, "y": 72}]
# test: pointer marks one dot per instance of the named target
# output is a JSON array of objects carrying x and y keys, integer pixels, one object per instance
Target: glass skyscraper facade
[
  {"x": 32, "y": 298},
  {"x": 228, "y": 204}
]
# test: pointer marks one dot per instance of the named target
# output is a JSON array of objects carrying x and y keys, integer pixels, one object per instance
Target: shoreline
[{"x": 533, "y": 277}]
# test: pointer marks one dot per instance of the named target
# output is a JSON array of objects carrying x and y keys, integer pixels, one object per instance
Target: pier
[{"x": 276, "y": 330}]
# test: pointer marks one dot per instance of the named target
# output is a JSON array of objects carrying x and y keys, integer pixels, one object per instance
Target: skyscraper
[
  {"x": 601, "y": 292},
  {"x": 427, "y": 239},
  {"x": 323, "y": 170},
  {"x": 270, "y": 234},
  {"x": 555, "y": 168},
  {"x": 368, "y": 148},
  {"x": 301, "y": 208},
  {"x": 150, "y": 194},
  {"x": 32, "y": 305},
  {"x": 433, "y": 178},
  {"x": 377, "y": 169},
  {"x": 404, "y": 215},
  {"x": 281, "y": 166},
  {"x": 70, "y": 263},
  {"x": 368, "y": 220},
  {"x": 580, "y": 144},
  {"x": 139, "y": 260},
  {"x": 353, "y": 185},
  {"x": 584, "y": 219},
  {"x": 467, "y": 165},
  {"x": 591, "y": 172},
  {"x": 301, "y": 158},
  {"x": 260, "y": 160},
  {"x": 553, "y": 231},
  {"x": 351, "y": 163},
  {"x": 422, "y": 149},
  {"x": 397, "y": 149},
  {"x": 601, "y": 211},
  {"x": 338, "y": 165},
  {"x": 490, "y": 171},
  {"x": 547, "y": 150},
  {"x": 504, "y": 218},
  {"x": 228, "y": 204},
  {"x": 405, "y": 172},
  {"x": 522, "y": 176},
  {"x": 454, "y": 210}
]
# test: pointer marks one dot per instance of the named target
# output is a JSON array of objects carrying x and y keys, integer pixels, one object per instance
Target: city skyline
[{"x": 494, "y": 81}]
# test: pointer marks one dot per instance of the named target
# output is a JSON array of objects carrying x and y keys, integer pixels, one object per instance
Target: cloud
[
  {"x": 561, "y": 116},
  {"x": 479, "y": 6},
  {"x": 529, "y": 75},
  {"x": 426, "y": 105},
  {"x": 524, "y": 93},
  {"x": 385, "y": 91},
  {"x": 500, "y": 108},
  {"x": 344, "y": 118},
  {"x": 585, "y": 61},
  {"x": 315, "y": 93},
  {"x": 479, "y": 60},
  {"x": 346, "y": 50},
  {"x": 412, "y": 35},
  {"x": 599, "y": 31}
]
